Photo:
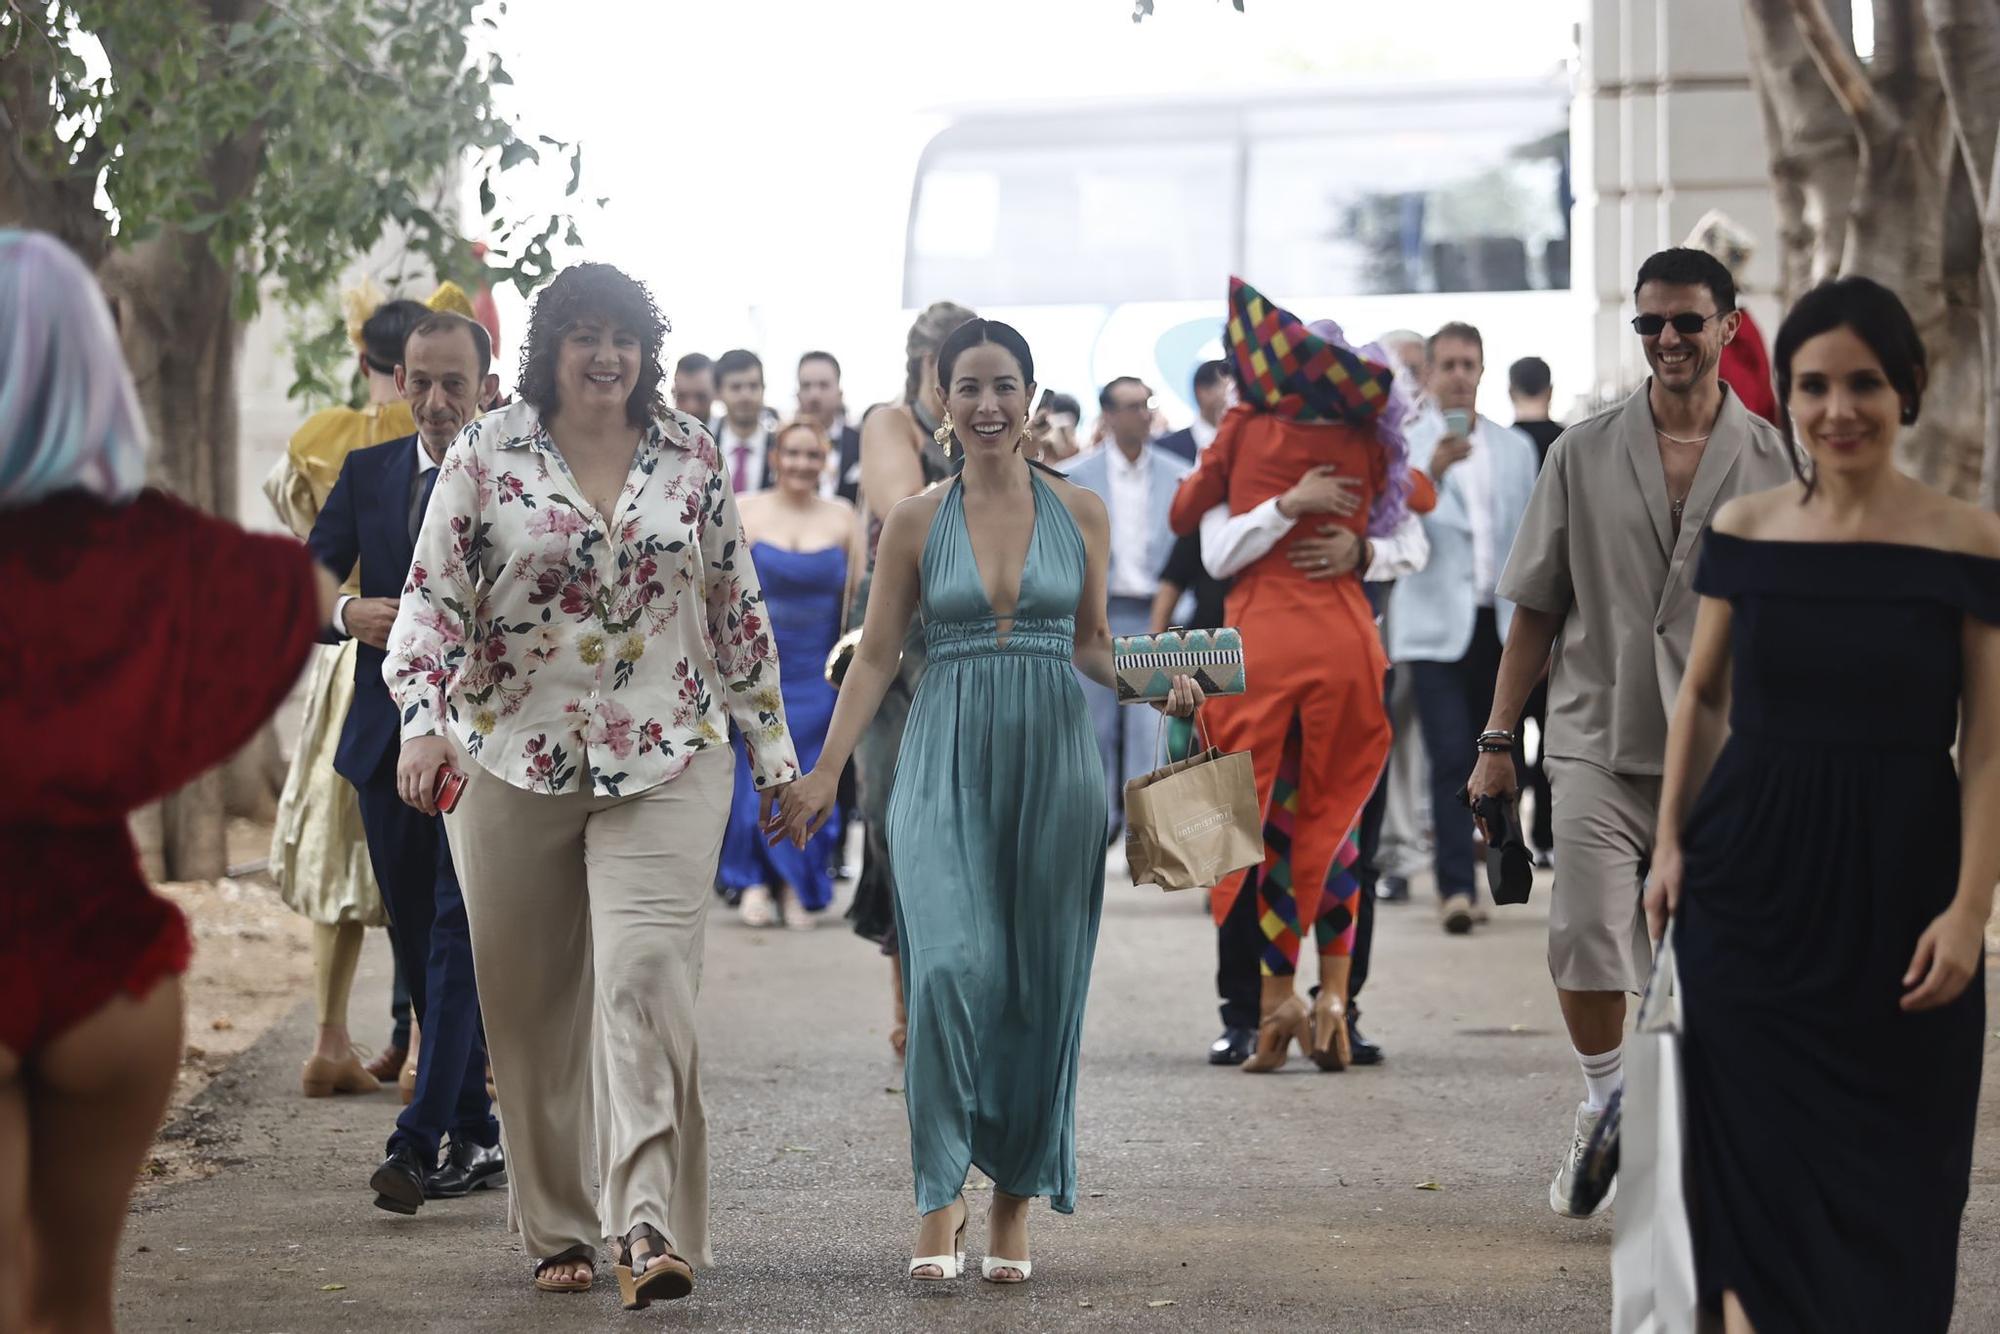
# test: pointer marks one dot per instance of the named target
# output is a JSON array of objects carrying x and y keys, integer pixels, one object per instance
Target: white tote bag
[{"x": 1652, "y": 1255}]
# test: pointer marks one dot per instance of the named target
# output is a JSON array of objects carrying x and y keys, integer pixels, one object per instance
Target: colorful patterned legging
[{"x": 1277, "y": 906}]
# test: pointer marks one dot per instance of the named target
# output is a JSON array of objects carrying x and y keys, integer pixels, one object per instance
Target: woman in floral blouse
[{"x": 581, "y": 624}]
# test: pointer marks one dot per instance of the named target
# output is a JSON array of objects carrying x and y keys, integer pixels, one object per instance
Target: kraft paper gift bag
[{"x": 1191, "y": 823}]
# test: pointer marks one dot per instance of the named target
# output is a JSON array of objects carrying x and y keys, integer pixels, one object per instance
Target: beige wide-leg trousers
[{"x": 587, "y": 916}]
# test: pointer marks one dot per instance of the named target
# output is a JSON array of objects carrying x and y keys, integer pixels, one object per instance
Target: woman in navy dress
[
  {"x": 1832, "y": 881},
  {"x": 807, "y": 549}
]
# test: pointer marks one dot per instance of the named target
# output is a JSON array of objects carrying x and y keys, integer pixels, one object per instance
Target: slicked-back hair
[
  {"x": 385, "y": 332},
  {"x": 974, "y": 333},
  {"x": 826, "y": 357}
]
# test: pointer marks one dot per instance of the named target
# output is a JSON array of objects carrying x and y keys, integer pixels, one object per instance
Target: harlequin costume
[{"x": 1314, "y": 658}]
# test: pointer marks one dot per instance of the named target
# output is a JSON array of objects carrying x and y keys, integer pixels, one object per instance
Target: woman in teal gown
[{"x": 996, "y": 824}]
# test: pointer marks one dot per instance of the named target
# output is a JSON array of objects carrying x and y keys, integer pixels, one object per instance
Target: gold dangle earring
[
  {"x": 1027, "y": 431},
  {"x": 943, "y": 435}
]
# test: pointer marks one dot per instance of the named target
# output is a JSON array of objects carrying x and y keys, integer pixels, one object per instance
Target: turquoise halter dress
[{"x": 996, "y": 836}]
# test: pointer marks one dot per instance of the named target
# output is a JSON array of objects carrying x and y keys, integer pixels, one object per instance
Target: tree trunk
[
  {"x": 181, "y": 342},
  {"x": 1814, "y": 151}
]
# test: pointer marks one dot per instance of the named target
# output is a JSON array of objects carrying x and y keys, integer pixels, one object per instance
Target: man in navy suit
[
  {"x": 373, "y": 515},
  {"x": 1213, "y": 393},
  {"x": 820, "y": 400}
]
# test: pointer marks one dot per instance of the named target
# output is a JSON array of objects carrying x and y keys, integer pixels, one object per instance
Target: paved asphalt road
[{"x": 1213, "y": 1200}]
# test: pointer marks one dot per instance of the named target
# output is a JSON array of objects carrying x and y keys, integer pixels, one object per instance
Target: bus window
[
  {"x": 1050, "y": 224},
  {"x": 1411, "y": 211}
]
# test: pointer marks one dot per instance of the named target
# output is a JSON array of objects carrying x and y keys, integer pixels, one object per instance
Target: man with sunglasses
[{"x": 1600, "y": 575}]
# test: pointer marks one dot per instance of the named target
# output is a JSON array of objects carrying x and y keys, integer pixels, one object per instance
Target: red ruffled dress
[{"x": 140, "y": 645}]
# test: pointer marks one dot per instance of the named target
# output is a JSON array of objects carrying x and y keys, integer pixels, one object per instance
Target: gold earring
[
  {"x": 1027, "y": 433},
  {"x": 943, "y": 435}
]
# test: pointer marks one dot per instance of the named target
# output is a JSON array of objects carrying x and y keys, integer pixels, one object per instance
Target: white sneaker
[
  {"x": 754, "y": 906},
  {"x": 1564, "y": 1185},
  {"x": 797, "y": 916}
]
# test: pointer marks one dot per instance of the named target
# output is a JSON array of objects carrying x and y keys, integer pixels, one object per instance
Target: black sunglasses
[{"x": 1687, "y": 324}]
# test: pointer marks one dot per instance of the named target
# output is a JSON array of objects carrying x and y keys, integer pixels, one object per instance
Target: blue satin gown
[
  {"x": 996, "y": 836},
  {"x": 803, "y": 591}
]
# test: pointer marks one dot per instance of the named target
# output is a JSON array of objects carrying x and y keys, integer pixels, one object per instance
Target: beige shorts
[{"x": 1604, "y": 825}]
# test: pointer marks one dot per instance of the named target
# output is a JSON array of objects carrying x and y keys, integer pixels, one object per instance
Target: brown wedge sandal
[
  {"x": 582, "y": 1253},
  {"x": 661, "y": 1275}
]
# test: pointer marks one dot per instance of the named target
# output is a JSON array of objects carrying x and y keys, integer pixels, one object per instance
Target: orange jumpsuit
[{"x": 1311, "y": 652}]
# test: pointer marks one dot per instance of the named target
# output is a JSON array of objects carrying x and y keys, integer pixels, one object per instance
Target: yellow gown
[{"x": 319, "y": 856}]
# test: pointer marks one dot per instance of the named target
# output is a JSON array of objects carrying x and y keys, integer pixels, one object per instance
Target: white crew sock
[{"x": 1603, "y": 1075}]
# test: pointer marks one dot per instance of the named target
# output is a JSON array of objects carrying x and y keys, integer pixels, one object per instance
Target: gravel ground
[{"x": 1212, "y": 1199}]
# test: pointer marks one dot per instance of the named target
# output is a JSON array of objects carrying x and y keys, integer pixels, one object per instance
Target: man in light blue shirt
[{"x": 1447, "y": 622}]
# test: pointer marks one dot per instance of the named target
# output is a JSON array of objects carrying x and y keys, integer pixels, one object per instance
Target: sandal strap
[
  {"x": 657, "y": 1245},
  {"x": 581, "y": 1252}
]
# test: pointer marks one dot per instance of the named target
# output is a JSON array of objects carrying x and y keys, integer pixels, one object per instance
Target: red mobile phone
[{"x": 450, "y": 783}]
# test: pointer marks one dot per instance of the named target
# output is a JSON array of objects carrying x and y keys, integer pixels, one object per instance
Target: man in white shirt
[
  {"x": 1447, "y": 622},
  {"x": 743, "y": 436},
  {"x": 1136, "y": 481}
]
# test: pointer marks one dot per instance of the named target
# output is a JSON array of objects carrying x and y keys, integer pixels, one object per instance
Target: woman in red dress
[{"x": 141, "y": 642}]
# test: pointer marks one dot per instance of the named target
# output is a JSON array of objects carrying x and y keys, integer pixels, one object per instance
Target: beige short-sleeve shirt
[{"x": 1597, "y": 547}]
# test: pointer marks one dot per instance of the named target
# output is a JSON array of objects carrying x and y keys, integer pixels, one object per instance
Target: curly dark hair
[{"x": 594, "y": 291}]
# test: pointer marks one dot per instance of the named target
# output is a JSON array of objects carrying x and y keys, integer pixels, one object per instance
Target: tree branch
[
  {"x": 1965, "y": 38},
  {"x": 1836, "y": 62}
]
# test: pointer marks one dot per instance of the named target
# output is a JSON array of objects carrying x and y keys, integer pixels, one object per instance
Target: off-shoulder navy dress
[{"x": 1830, "y": 1133}]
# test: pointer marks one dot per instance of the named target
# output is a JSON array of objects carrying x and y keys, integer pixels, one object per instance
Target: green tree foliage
[{"x": 290, "y": 135}]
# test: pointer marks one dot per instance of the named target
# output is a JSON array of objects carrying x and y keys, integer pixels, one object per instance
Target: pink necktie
[{"x": 740, "y": 468}]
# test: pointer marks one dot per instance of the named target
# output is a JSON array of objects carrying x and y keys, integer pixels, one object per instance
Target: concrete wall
[{"x": 1665, "y": 127}]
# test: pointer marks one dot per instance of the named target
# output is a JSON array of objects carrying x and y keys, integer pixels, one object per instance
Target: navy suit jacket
[
  {"x": 1180, "y": 443},
  {"x": 847, "y": 448},
  {"x": 367, "y": 518}
]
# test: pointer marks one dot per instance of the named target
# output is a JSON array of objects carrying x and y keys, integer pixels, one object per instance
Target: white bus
[{"x": 1108, "y": 230}]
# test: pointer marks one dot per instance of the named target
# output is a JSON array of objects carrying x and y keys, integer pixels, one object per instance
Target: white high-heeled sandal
[
  {"x": 948, "y": 1266},
  {"x": 992, "y": 1263}
]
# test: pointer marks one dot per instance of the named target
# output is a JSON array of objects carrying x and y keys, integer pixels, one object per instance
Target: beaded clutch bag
[{"x": 1147, "y": 664}]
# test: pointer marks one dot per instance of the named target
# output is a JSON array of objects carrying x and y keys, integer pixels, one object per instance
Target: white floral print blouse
[{"x": 562, "y": 650}]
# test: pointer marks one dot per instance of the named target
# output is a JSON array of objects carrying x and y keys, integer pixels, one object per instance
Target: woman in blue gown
[
  {"x": 1832, "y": 880},
  {"x": 996, "y": 823},
  {"x": 807, "y": 549}
]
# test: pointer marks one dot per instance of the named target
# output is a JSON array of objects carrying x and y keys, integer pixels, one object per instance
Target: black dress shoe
[
  {"x": 1233, "y": 1047},
  {"x": 1364, "y": 1051},
  {"x": 399, "y": 1182},
  {"x": 467, "y": 1167}
]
